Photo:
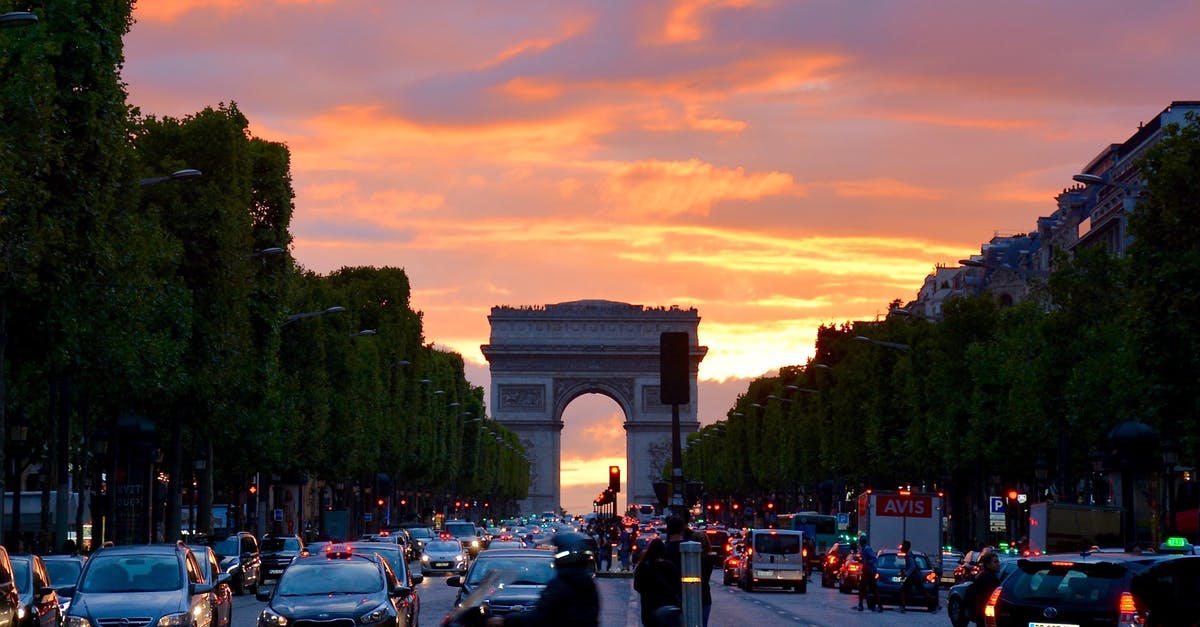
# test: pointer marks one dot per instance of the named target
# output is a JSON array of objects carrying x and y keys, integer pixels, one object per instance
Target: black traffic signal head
[{"x": 614, "y": 478}]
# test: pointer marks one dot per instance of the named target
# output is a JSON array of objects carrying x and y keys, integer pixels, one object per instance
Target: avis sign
[{"x": 909, "y": 506}]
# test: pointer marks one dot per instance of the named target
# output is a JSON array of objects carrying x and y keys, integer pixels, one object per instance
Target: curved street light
[
  {"x": 312, "y": 314},
  {"x": 13, "y": 19},
  {"x": 177, "y": 175},
  {"x": 896, "y": 345}
]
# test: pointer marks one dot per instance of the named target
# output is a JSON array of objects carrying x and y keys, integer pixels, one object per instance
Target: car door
[
  {"x": 251, "y": 560},
  {"x": 9, "y": 601},
  {"x": 49, "y": 614},
  {"x": 200, "y": 601}
]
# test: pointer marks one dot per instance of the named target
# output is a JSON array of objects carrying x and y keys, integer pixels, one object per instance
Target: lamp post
[
  {"x": 312, "y": 314},
  {"x": 904, "y": 348},
  {"x": 177, "y": 175}
]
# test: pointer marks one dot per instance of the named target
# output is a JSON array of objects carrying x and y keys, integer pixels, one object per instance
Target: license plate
[
  {"x": 764, "y": 573},
  {"x": 1036, "y": 624},
  {"x": 898, "y": 579},
  {"x": 441, "y": 564},
  {"x": 274, "y": 572}
]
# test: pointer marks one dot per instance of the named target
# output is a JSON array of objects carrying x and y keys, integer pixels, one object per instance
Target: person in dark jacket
[
  {"x": 677, "y": 533},
  {"x": 571, "y": 597},
  {"x": 981, "y": 588},
  {"x": 656, "y": 579}
]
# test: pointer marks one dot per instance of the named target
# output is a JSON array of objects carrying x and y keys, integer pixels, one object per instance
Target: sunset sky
[{"x": 775, "y": 164}]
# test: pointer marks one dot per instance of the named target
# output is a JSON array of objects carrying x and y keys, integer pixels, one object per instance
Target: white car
[{"x": 444, "y": 556}]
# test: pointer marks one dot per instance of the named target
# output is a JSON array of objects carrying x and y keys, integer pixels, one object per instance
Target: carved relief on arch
[{"x": 620, "y": 389}]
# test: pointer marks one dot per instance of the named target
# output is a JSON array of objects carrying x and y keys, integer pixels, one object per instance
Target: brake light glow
[
  {"x": 1127, "y": 604},
  {"x": 989, "y": 609},
  {"x": 854, "y": 568},
  {"x": 1062, "y": 564},
  {"x": 931, "y": 577}
]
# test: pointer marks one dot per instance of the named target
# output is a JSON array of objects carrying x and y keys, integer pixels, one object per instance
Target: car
[
  {"x": 718, "y": 539},
  {"x": 832, "y": 563},
  {"x": 850, "y": 574},
  {"x": 505, "y": 540},
  {"x": 39, "y": 601},
  {"x": 889, "y": 579},
  {"x": 445, "y": 555},
  {"x": 420, "y": 536},
  {"x": 240, "y": 558},
  {"x": 774, "y": 558},
  {"x": 949, "y": 557},
  {"x": 64, "y": 573},
  {"x": 956, "y": 606},
  {"x": 515, "y": 579},
  {"x": 141, "y": 584},
  {"x": 1087, "y": 588},
  {"x": 10, "y": 601},
  {"x": 335, "y": 587},
  {"x": 465, "y": 532},
  {"x": 731, "y": 563},
  {"x": 276, "y": 552},
  {"x": 396, "y": 557},
  {"x": 1168, "y": 592},
  {"x": 222, "y": 592}
]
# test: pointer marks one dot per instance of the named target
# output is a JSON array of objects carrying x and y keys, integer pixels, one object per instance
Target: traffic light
[
  {"x": 253, "y": 489},
  {"x": 614, "y": 478},
  {"x": 379, "y": 502}
]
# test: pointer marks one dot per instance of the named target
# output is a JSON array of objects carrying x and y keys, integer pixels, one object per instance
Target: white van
[
  {"x": 775, "y": 557},
  {"x": 643, "y": 512}
]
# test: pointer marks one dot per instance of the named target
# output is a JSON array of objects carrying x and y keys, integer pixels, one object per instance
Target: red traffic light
[
  {"x": 1012, "y": 495},
  {"x": 379, "y": 502},
  {"x": 614, "y": 478},
  {"x": 253, "y": 489}
]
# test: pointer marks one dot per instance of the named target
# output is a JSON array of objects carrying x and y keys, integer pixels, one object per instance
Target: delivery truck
[
  {"x": 889, "y": 517},
  {"x": 1069, "y": 527}
]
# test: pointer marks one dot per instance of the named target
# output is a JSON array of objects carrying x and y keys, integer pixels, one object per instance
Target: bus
[{"x": 821, "y": 527}]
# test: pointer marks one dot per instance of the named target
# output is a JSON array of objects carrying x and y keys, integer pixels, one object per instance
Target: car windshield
[
  {"x": 443, "y": 546},
  {"x": 461, "y": 530},
  {"x": 21, "y": 574},
  {"x": 349, "y": 577},
  {"x": 63, "y": 572},
  {"x": 777, "y": 544},
  {"x": 513, "y": 570},
  {"x": 281, "y": 544},
  {"x": 132, "y": 573},
  {"x": 228, "y": 546},
  {"x": 1070, "y": 585},
  {"x": 420, "y": 532}
]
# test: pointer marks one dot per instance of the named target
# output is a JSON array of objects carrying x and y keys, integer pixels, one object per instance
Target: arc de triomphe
[{"x": 542, "y": 358}]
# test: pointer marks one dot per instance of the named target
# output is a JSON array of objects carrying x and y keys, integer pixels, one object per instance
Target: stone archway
[{"x": 542, "y": 358}]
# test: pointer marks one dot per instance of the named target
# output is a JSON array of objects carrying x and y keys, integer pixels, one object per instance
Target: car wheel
[
  {"x": 728, "y": 579},
  {"x": 254, "y": 587},
  {"x": 748, "y": 586},
  {"x": 802, "y": 588},
  {"x": 826, "y": 580}
]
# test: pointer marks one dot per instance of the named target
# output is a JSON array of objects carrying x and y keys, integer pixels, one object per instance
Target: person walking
[
  {"x": 656, "y": 580},
  {"x": 912, "y": 576},
  {"x": 604, "y": 545},
  {"x": 624, "y": 541},
  {"x": 981, "y": 588},
  {"x": 677, "y": 533},
  {"x": 867, "y": 587}
]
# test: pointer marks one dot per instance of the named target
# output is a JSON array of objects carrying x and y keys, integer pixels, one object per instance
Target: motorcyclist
[{"x": 571, "y": 597}]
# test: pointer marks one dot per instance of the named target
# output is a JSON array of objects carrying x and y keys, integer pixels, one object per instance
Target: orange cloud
[
  {"x": 684, "y": 24},
  {"x": 669, "y": 188},
  {"x": 170, "y": 10}
]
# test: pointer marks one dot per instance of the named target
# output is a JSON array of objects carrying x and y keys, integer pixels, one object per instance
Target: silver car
[{"x": 444, "y": 556}]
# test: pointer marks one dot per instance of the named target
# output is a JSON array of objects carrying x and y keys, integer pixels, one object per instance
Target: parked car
[
  {"x": 1089, "y": 588},
  {"x": 276, "y": 552},
  {"x": 240, "y": 558},
  {"x": 39, "y": 601},
  {"x": 64, "y": 574},
  {"x": 890, "y": 579},
  {"x": 834, "y": 558},
  {"x": 141, "y": 584},
  {"x": 222, "y": 592}
]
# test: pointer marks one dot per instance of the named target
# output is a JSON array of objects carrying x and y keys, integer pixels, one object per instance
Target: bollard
[{"x": 689, "y": 553}]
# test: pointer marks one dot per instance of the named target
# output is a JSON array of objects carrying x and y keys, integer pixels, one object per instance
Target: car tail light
[
  {"x": 804, "y": 553},
  {"x": 831, "y": 559},
  {"x": 1129, "y": 611},
  {"x": 931, "y": 577},
  {"x": 854, "y": 568},
  {"x": 989, "y": 609}
]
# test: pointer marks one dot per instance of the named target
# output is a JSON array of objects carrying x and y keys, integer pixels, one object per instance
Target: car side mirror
[
  {"x": 224, "y": 578},
  {"x": 417, "y": 578},
  {"x": 66, "y": 591},
  {"x": 200, "y": 588},
  {"x": 45, "y": 591},
  {"x": 455, "y": 581},
  {"x": 247, "y": 554},
  {"x": 264, "y": 594},
  {"x": 401, "y": 591}
]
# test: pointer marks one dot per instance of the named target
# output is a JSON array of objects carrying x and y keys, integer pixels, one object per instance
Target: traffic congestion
[{"x": 427, "y": 574}]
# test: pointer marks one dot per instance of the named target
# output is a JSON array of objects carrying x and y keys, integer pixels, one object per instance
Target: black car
[
  {"x": 222, "y": 593},
  {"x": 141, "y": 584},
  {"x": 39, "y": 601},
  {"x": 956, "y": 608},
  {"x": 523, "y": 574},
  {"x": 832, "y": 563},
  {"x": 240, "y": 558},
  {"x": 396, "y": 557},
  {"x": 1168, "y": 592},
  {"x": 275, "y": 553},
  {"x": 64, "y": 573},
  {"x": 1071, "y": 588},
  {"x": 889, "y": 579},
  {"x": 335, "y": 587},
  {"x": 420, "y": 537}
]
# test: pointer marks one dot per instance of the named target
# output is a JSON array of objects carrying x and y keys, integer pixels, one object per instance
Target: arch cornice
[{"x": 619, "y": 389}]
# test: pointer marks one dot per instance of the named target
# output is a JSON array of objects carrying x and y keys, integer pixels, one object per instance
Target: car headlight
[
  {"x": 374, "y": 616},
  {"x": 459, "y": 558},
  {"x": 475, "y": 543},
  {"x": 425, "y": 558},
  {"x": 21, "y": 613},
  {"x": 271, "y": 618},
  {"x": 175, "y": 620},
  {"x": 76, "y": 621}
]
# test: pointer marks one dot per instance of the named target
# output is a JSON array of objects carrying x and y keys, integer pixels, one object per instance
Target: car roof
[
  {"x": 139, "y": 549},
  {"x": 500, "y": 553}
]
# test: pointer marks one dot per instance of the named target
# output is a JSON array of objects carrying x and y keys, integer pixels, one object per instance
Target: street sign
[
  {"x": 278, "y": 515},
  {"x": 367, "y": 516},
  {"x": 843, "y": 520},
  {"x": 996, "y": 504}
]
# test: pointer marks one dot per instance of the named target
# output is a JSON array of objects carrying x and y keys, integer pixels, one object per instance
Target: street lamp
[
  {"x": 186, "y": 173},
  {"x": 13, "y": 19},
  {"x": 310, "y": 314},
  {"x": 268, "y": 252},
  {"x": 363, "y": 333},
  {"x": 896, "y": 345}
]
